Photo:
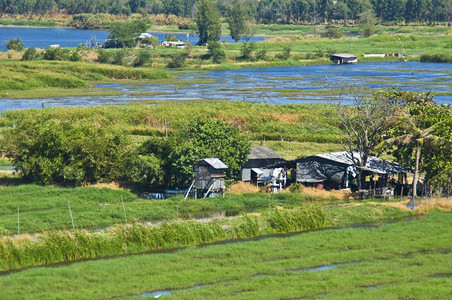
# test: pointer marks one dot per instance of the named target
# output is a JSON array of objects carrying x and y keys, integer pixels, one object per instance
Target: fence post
[
  {"x": 70, "y": 213},
  {"x": 18, "y": 221},
  {"x": 124, "y": 210}
]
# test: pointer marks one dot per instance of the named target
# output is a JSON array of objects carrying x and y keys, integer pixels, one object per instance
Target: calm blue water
[
  {"x": 43, "y": 37},
  {"x": 283, "y": 85}
]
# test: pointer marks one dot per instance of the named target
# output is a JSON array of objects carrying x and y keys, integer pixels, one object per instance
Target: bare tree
[{"x": 363, "y": 120}]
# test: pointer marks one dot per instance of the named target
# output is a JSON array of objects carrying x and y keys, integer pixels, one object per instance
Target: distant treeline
[{"x": 263, "y": 11}]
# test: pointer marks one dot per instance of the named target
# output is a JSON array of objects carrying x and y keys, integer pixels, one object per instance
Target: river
[
  {"x": 67, "y": 37},
  {"x": 281, "y": 85}
]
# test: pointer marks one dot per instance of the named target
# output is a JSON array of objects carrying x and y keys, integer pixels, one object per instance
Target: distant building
[
  {"x": 178, "y": 44},
  {"x": 344, "y": 58},
  {"x": 209, "y": 177}
]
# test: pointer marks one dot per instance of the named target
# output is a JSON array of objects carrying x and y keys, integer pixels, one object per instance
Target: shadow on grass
[{"x": 11, "y": 181}]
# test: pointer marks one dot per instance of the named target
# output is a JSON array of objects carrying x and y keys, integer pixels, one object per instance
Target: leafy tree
[
  {"x": 237, "y": 17},
  {"x": 153, "y": 42},
  {"x": 367, "y": 21},
  {"x": 50, "y": 151},
  {"x": 208, "y": 22},
  {"x": 357, "y": 7},
  {"x": 30, "y": 54},
  {"x": 196, "y": 140},
  {"x": 216, "y": 52},
  {"x": 123, "y": 34},
  {"x": 15, "y": 44},
  {"x": 420, "y": 132},
  {"x": 171, "y": 38},
  {"x": 416, "y": 10}
]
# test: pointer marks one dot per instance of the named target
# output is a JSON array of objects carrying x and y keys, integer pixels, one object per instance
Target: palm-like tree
[{"x": 408, "y": 132}]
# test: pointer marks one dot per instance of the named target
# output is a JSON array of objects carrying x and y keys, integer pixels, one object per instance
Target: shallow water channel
[
  {"x": 159, "y": 293},
  {"x": 281, "y": 85}
]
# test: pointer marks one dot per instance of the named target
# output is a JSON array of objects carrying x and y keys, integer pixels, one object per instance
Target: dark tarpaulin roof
[
  {"x": 374, "y": 164},
  {"x": 334, "y": 166}
]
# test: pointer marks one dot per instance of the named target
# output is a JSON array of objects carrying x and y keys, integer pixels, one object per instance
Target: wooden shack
[
  {"x": 344, "y": 58},
  {"x": 337, "y": 170},
  {"x": 255, "y": 169},
  {"x": 209, "y": 177}
]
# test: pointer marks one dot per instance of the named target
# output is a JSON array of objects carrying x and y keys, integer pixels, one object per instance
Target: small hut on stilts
[{"x": 209, "y": 177}]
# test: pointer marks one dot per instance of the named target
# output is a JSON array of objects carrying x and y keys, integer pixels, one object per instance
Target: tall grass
[
  {"x": 19, "y": 75},
  {"x": 437, "y": 57},
  {"x": 60, "y": 246},
  {"x": 295, "y": 122},
  {"x": 402, "y": 260}
]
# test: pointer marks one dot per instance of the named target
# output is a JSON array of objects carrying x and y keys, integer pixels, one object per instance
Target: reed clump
[{"x": 64, "y": 246}]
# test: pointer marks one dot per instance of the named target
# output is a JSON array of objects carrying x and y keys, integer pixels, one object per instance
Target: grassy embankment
[
  {"x": 401, "y": 260},
  {"x": 53, "y": 78}
]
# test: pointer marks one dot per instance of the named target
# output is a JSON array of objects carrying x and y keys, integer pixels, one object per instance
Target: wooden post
[
  {"x": 70, "y": 213},
  {"x": 18, "y": 221},
  {"x": 166, "y": 129},
  {"x": 124, "y": 210}
]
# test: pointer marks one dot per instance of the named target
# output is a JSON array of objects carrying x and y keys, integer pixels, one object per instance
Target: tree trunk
[{"x": 417, "y": 157}]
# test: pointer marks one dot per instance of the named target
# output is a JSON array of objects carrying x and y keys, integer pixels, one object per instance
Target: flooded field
[{"x": 282, "y": 85}]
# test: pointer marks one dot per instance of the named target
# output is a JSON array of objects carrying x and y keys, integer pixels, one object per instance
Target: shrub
[
  {"x": 56, "y": 54},
  {"x": 30, "y": 54},
  {"x": 262, "y": 55},
  {"x": 285, "y": 53},
  {"x": 178, "y": 60},
  {"x": 104, "y": 56},
  {"x": 15, "y": 44},
  {"x": 119, "y": 57},
  {"x": 75, "y": 56},
  {"x": 216, "y": 52},
  {"x": 143, "y": 58},
  {"x": 332, "y": 33},
  {"x": 246, "y": 51},
  {"x": 438, "y": 57}
]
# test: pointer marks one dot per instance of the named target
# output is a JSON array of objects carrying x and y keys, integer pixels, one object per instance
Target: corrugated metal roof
[
  {"x": 216, "y": 163},
  {"x": 374, "y": 164},
  {"x": 344, "y": 55},
  {"x": 263, "y": 153}
]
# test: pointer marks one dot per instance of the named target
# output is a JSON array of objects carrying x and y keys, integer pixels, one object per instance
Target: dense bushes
[
  {"x": 437, "y": 57},
  {"x": 15, "y": 44},
  {"x": 50, "y": 151},
  {"x": 78, "y": 151}
]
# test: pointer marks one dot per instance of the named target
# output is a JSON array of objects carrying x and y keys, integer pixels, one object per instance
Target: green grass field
[{"x": 404, "y": 260}]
